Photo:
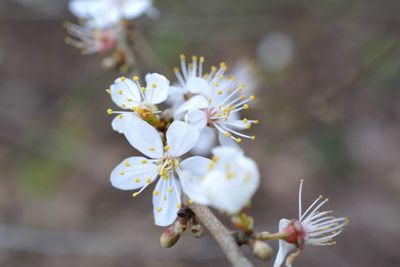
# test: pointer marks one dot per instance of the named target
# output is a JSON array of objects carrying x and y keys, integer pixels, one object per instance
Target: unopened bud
[
  {"x": 243, "y": 222},
  {"x": 197, "y": 230},
  {"x": 108, "y": 63},
  {"x": 261, "y": 249},
  {"x": 172, "y": 234}
]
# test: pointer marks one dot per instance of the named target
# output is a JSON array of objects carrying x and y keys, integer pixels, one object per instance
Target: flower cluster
[{"x": 227, "y": 181}]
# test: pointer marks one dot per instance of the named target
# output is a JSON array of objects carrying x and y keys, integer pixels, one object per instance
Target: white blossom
[
  {"x": 91, "y": 40},
  {"x": 213, "y": 102},
  {"x": 230, "y": 183},
  {"x": 161, "y": 162},
  {"x": 106, "y": 13},
  {"x": 137, "y": 101},
  {"x": 313, "y": 227}
]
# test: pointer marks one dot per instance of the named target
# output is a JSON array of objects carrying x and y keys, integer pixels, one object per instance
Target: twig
[{"x": 222, "y": 235}]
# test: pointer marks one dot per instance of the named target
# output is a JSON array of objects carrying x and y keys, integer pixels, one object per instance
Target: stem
[{"x": 221, "y": 234}]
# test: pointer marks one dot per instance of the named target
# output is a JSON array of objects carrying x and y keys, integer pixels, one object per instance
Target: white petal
[
  {"x": 125, "y": 93},
  {"x": 85, "y": 8},
  {"x": 196, "y": 165},
  {"x": 284, "y": 247},
  {"x": 181, "y": 137},
  {"x": 197, "y": 118},
  {"x": 232, "y": 183},
  {"x": 167, "y": 201},
  {"x": 193, "y": 187},
  {"x": 195, "y": 102},
  {"x": 132, "y": 173},
  {"x": 153, "y": 13},
  {"x": 122, "y": 122},
  {"x": 206, "y": 142},
  {"x": 144, "y": 138},
  {"x": 135, "y": 8},
  {"x": 227, "y": 142},
  {"x": 198, "y": 86},
  {"x": 226, "y": 154},
  {"x": 157, "y": 88}
]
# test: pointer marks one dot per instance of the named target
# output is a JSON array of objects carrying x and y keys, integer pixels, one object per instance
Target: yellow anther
[
  {"x": 256, "y": 122},
  {"x": 252, "y": 97},
  {"x": 154, "y": 86},
  {"x": 166, "y": 148},
  {"x": 121, "y": 173},
  {"x": 176, "y": 70},
  {"x": 194, "y": 57},
  {"x": 136, "y": 78},
  {"x": 242, "y": 97},
  {"x": 122, "y": 78},
  {"x": 159, "y": 209},
  {"x": 127, "y": 164},
  {"x": 155, "y": 193},
  {"x": 227, "y": 134},
  {"x": 165, "y": 198},
  {"x": 219, "y": 92},
  {"x": 213, "y": 68},
  {"x": 137, "y": 180},
  {"x": 123, "y": 105},
  {"x": 238, "y": 140},
  {"x": 135, "y": 194},
  {"x": 253, "y": 137},
  {"x": 148, "y": 180},
  {"x": 121, "y": 116},
  {"x": 229, "y": 175},
  {"x": 223, "y": 65},
  {"x": 245, "y": 120},
  {"x": 130, "y": 99},
  {"x": 143, "y": 89},
  {"x": 179, "y": 206},
  {"x": 152, "y": 149},
  {"x": 109, "y": 111},
  {"x": 215, "y": 158},
  {"x": 211, "y": 165},
  {"x": 245, "y": 106},
  {"x": 144, "y": 161},
  {"x": 191, "y": 201},
  {"x": 120, "y": 92},
  {"x": 202, "y": 59},
  {"x": 170, "y": 189},
  {"x": 248, "y": 126},
  {"x": 216, "y": 84},
  {"x": 209, "y": 100},
  {"x": 108, "y": 91},
  {"x": 182, "y": 56}
]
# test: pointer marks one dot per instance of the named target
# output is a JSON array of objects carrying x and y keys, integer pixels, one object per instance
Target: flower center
[
  {"x": 167, "y": 165},
  {"x": 295, "y": 233}
]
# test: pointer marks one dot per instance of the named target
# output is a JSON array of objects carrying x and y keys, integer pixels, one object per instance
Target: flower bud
[
  {"x": 261, "y": 249},
  {"x": 172, "y": 234},
  {"x": 243, "y": 222},
  {"x": 197, "y": 230}
]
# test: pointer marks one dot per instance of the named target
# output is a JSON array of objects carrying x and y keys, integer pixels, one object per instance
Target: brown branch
[{"x": 221, "y": 234}]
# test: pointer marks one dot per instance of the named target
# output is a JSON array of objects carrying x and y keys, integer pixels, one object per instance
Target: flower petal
[
  {"x": 144, "y": 138},
  {"x": 195, "y": 102},
  {"x": 85, "y": 8},
  {"x": 207, "y": 140},
  {"x": 198, "y": 85},
  {"x": 122, "y": 122},
  {"x": 133, "y": 173},
  {"x": 134, "y": 8},
  {"x": 157, "y": 88},
  {"x": 125, "y": 93},
  {"x": 193, "y": 187},
  {"x": 166, "y": 201},
  {"x": 196, "y": 165},
  {"x": 284, "y": 247},
  {"x": 197, "y": 118},
  {"x": 181, "y": 137}
]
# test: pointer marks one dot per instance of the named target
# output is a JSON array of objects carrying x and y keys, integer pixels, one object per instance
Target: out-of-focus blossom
[
  {"x": 211, "y": 101},
  {"x": 275, "y": 51},
  {"x": 245, "y": 71},
  {"x": 89, "y": 40},
  {"x": 314, "y": 227},
  {"x": 137, "y": 101},
  {"x": 230, "y": 183},
  {"x": 161, "y": 162},
  {"x": 106, "y": 13}
]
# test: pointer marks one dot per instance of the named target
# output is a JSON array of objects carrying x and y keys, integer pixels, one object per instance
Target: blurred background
[{"x": 326, "y": 77}]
